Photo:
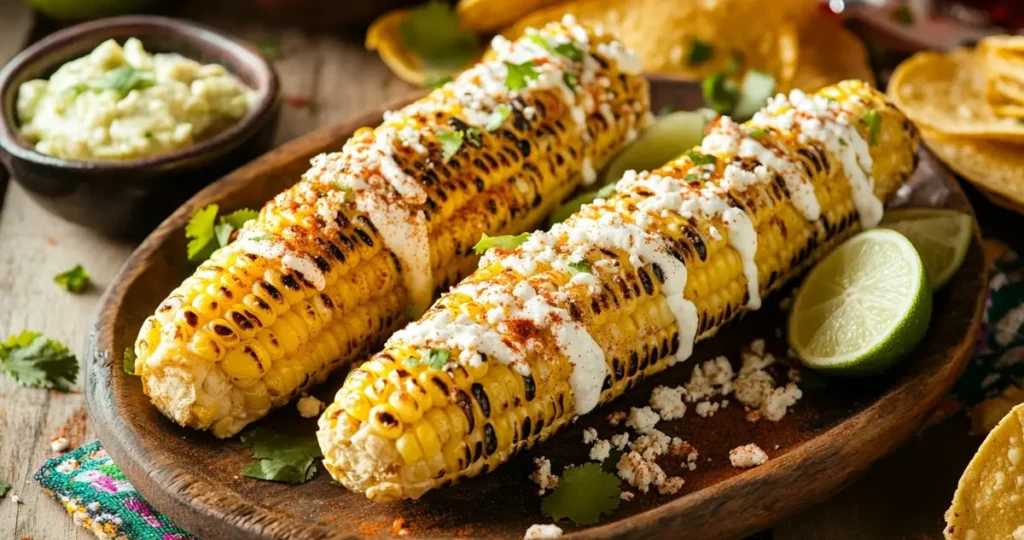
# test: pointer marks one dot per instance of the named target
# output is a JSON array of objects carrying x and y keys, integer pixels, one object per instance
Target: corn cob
[
  {"x": 332, "y": 265},
  {"x": 574, "y": 317}
]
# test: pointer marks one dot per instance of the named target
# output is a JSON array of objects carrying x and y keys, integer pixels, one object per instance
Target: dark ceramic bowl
[{"x": 128, "y": 198}]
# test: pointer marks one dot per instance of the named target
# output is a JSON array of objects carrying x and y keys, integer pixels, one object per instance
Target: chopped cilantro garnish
[
  {"x": 520, "y": 74},
  {"x": 123, "y": 80},
  {"x": 720, "y": 93},
  {"x": 451, "y": 141},
  {"x": 700, "y": 52},
  {"x": 584, "y": 494},
  {"x": 566, "y": 50},
  {"x": 579, "y": 267},
  {"x": 282, "y": 458},
  {"x": 873, "y": 120},
  {"x": 666, "y": 109},
  {"x": 701, "y": 159},
  {"x": 74, "y": 280},
  {"x": 5, "y": 487},
  {"x": 33, "y": 360},
  {"x": 436, "y": 358},
  {"x": 498, "y": 117},
  {"x": 433, "y": 31},
  {"x": 128, "y": 361},
  {"x": 206, "y": 233},
  {"x": 692, "y": 178},
  {"x": 410, "y": 362},
  {"x": 472, "y": 136},
  {"x": 570, "y": 79},
  {"x": 437, "y": 80},
  {"x": 413, "y": 312},
  {"x": 271, "y": 50},
  {"x": 842, "y": 141},
  {"x": 758, "y": 132},
  {"x": 904, "y": 15},
  {"x": 500, "y": 242}
]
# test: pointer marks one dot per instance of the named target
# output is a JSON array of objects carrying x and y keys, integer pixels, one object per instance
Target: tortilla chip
[
  {"x": 830, "y": 53},
  {"x": 994, "y": 166},
  {"x": 1002, "y": 62},
  {"x": 666, "y": 32},
  {"x": 987, "y": 414},
  {"x": 487, "y": 16},
  {"x": 945, "y": 93},
  {"x": 989, "y": 500}
]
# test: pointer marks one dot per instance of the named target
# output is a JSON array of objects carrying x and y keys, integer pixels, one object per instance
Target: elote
[
  {"x": 334, "y": 264},
  {"x": 572, "y": 318}
]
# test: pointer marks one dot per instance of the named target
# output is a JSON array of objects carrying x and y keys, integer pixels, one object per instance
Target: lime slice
[
  {"x": 863, "y": 308},
  {"x": 668, "y": 137},
  {"x": 941, "y": 236}
]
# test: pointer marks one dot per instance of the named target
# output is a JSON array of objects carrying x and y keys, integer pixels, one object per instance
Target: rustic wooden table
[{"x": 902, "y": 497}]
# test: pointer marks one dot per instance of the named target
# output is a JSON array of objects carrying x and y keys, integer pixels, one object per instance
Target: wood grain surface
[
  {"x": 902, "y": 496},
  {"x": 832, "y": 435}
]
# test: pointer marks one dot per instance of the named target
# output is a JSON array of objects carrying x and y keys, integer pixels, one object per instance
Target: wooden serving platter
[{"x": 831, "y": 435}]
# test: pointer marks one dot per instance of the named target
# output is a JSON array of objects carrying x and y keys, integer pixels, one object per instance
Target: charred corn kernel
[
  {"x": 321, "y": 276},
  {"x": 406, "y": 407},
  {"x": 630, "y": 305}
]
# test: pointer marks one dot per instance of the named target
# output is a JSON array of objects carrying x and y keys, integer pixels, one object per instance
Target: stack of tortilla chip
[
  {"x": 792, "y": 40},
  {"x": 969, "y": 104}
]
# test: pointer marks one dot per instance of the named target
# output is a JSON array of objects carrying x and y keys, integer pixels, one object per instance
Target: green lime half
[
  {"x": 660, "y": 143},
  {"x": 941, "y": 236},
  {"x": 863, "y": 308}
]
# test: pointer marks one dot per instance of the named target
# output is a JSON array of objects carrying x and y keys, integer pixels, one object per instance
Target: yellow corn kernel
[
  {"x": 246, "y": 362},
  {"x": 456, "y": 456},
  {"x": 357, "y": 406},
  {"x": 409, "y": 448},
  {"x": 457, "y": 423},
  {"x": 439, "y": 421},
  {"x": 427, "y": 437},
  {"x": 436, "y": 384},
  {"x": 407, "y": 407}
]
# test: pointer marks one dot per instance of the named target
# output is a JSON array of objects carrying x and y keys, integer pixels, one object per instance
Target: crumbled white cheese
[
  {"x": 671, "y": 485},
  {"x": 709, "y": 379},
  {"x": 639, "y": 472},
  {"x": 538, "y": 532},
  {"x": 746, "y": 456},
  {"x": 626, "y": 495},
  {"x": 601, "y": 450},
  {"x": 705, "y": 409},
  {"x": 542, "y": 476},
  {"x": 60, "y": 444},
  {"x": 668, "y": 402},
  {"x": 309, "y": 406},
  {"x": 616, "y": 417},
  {"x": 756, "y": 389},
  {"x": 642, "y": 420},
  {"x": 589, "y": 435},
  {"x": 16, "y": 499},
  {"x": 620, "y": 441}
]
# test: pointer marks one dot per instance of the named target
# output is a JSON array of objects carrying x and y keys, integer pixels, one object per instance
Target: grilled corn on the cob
[
  {"x": 330, "y": 266},
  {"x": 574, "y": 317}
]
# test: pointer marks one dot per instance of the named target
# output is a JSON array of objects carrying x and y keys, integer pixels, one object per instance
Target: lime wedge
[
  {"x": 668, "y": 137},
  {"x": 941, "y": 236},
  {"x": 863, "y": 308}
]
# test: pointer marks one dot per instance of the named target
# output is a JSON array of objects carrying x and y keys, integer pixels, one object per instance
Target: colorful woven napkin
[{"x": 97, "y": 496}]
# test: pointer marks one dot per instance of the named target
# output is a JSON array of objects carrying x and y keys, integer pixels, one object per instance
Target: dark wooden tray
[{"x": 832, "y": 434}]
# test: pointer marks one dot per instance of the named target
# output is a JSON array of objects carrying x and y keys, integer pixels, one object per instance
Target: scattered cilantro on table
[
  {"x": 583, "y": 495},
  {"x": 206, "y": 232},
  {"x": 434, "y": 32},
  {"x": 74, "y": 280},
  {"x": 280, "y": 457},
  {"x": 5, "y": 486},
  {"x": 33, "y": 360},
  {"x": 502, "y": 242}
]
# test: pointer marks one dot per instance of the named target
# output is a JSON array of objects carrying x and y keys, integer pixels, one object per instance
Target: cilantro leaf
[
  {"x": 5, "y": 486},
  {"x": 758, "y": 132},
  {"x": 701, "y": 159},
  {"x": 720, "y": 93},
  {"x": 873, "y": 120},
  {"x": 579, "y": 267},
  {"x": 472, "y": 136},
  {"x": 437, "y": 80},
  {"x": 500, "y": 242},
  {"x": 128, "y": 361},
  {"x": 437, "y": 358},
  {"x": 584, "y": 494},
  {"x": 498, "y": 117},
  {"x": 123, "y": 80},
  {"x": 692, "y": 178},
  {"x": 74, "y": 280},
  {"x": 451, "y": 141},
  {"x": 240, "y": 217},
  {"x": 520, "y": 74},
  {"x": 700, "y": 52},
  {"x": 566, "y": 50},
  {"x": 434, "y": 32},
  {"x": 570, "y": 79},
  {"x": 200, "y": 233},
  {"x": 282, "y": 458},
  {"x": 33, "y": 360}
]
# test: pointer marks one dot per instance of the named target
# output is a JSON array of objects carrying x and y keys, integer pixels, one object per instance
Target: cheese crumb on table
[
  {"x": 538, "y": 531},
  {"x": 756, "y": 389},
  {"x": 60, "y": 444},
  {"x": 705, "y": 409},
  {"x": 642, "y": 420},
  {"x": 639, "y": 472},
  {"x": 309, "y": 407},
  {"x": 589, "y": 435},
  {"x": 616, "y": 418},
  {"x": 620, "y": 441},
  {"x": 626, "y": 495},
  {"x": 601, "y": 450},
  {"x": 709, "y": 379},
  {"x": 671, "y": 485},
  {"x": 746, "y": 456},
  {"x": 542, "y": 476},
  {"x": 668, "y": 402}
]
